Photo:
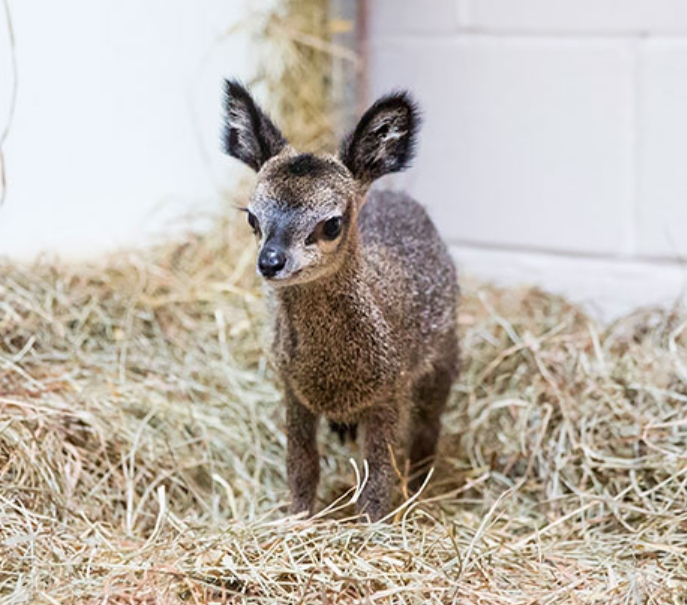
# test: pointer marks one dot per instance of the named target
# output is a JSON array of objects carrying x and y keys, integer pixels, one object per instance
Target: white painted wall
[
  {"x": 555, "y": 143},
  {"x": 117, "y": 121}
]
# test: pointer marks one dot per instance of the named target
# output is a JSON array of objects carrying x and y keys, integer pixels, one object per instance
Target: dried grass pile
[
  {"x": 142, "y": 450},
  {"x": 307, "y": 73},
  {"x": 295, "y": 55}
]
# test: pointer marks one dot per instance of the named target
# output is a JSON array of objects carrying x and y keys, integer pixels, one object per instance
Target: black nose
[{"x": 271, "y": 261}]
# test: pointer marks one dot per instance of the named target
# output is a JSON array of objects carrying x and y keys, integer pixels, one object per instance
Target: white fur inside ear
[
  {"x": 240, "y": 121},
  {"x": 238, "y": 117},
  {"x": 394, "y": 129},
  {"x": 393, "y": 133}
]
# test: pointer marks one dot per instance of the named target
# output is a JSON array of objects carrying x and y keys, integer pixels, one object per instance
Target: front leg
[
  {"x": 381, "y": 429},
  {"x": 302, "y": 458}
]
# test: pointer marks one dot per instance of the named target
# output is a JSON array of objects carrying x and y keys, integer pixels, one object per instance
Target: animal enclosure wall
[
  {"x": 117, "y": 118},
  {"x": 555, "y": 139}
]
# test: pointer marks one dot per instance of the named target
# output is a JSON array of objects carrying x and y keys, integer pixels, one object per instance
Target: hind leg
[{"x": 430, "y": 395}]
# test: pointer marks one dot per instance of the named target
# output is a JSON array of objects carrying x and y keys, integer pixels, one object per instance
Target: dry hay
[
  {"x": 142, "y": 450},
  {"x": 304, "y": 76}
]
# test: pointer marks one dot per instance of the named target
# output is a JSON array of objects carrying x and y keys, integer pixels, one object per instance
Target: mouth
[{"x": 282, "y": 280}]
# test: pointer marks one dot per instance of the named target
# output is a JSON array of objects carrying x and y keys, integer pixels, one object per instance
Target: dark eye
[
  {"x": 253, "y": 222},
  {"x": 332, "y": 228}
]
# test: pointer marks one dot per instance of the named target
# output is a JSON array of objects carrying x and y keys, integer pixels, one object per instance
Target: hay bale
[{"x": 301, "y": 64}]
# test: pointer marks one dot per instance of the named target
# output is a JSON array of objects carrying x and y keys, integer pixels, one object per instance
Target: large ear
[
  {"x": 249, "y": 134},
  {"x": 384, "y": 139}
]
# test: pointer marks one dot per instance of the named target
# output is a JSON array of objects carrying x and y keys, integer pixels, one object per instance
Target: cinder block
[
  {"x": 526, "y": 143},
  {"x": 398, "y": 17},
  {"x": 662, "y": 216},
  {"x": 613, "y": 16}
]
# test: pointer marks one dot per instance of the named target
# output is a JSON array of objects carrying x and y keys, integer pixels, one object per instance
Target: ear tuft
[
  {"x": 384, "y": 140},
  {"x": 249, "y": 134}
]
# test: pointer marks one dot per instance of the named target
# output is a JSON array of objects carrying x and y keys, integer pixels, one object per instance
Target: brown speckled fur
[{"x": 365, "y": 328}]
